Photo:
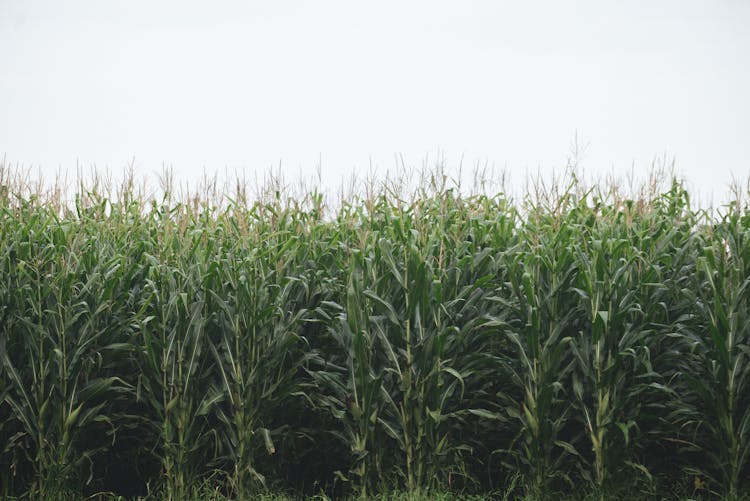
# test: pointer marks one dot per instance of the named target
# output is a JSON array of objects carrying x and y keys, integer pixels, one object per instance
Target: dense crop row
[{"x": 448, "y": 343}]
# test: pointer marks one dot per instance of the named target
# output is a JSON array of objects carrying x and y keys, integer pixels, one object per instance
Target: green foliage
[{"x": 437, "y": 345}]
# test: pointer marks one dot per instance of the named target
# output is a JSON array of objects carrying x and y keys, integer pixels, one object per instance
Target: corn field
[{"x": 576, "y": 341}]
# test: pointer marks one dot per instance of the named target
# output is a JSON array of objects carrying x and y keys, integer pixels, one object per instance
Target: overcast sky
[{"x": 249, "y": 85}]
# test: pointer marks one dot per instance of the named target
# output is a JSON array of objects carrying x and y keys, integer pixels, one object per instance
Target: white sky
[{"x": 247, "y": 85}]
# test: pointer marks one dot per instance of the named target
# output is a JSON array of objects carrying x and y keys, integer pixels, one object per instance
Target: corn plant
[
  {"x": 612, "y": 353},
  {"x": 718, "y": 368},
  {"x": 424, "y": 344},
  {"x": 174, "y": 360},
  {"x": 258, "y": 352},
  {"x": 61, "y": 348},
  {"x": 539, "y": 366}
]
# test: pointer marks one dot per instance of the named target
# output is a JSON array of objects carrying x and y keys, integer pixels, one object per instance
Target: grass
[{"x": 578, "y": 343}]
